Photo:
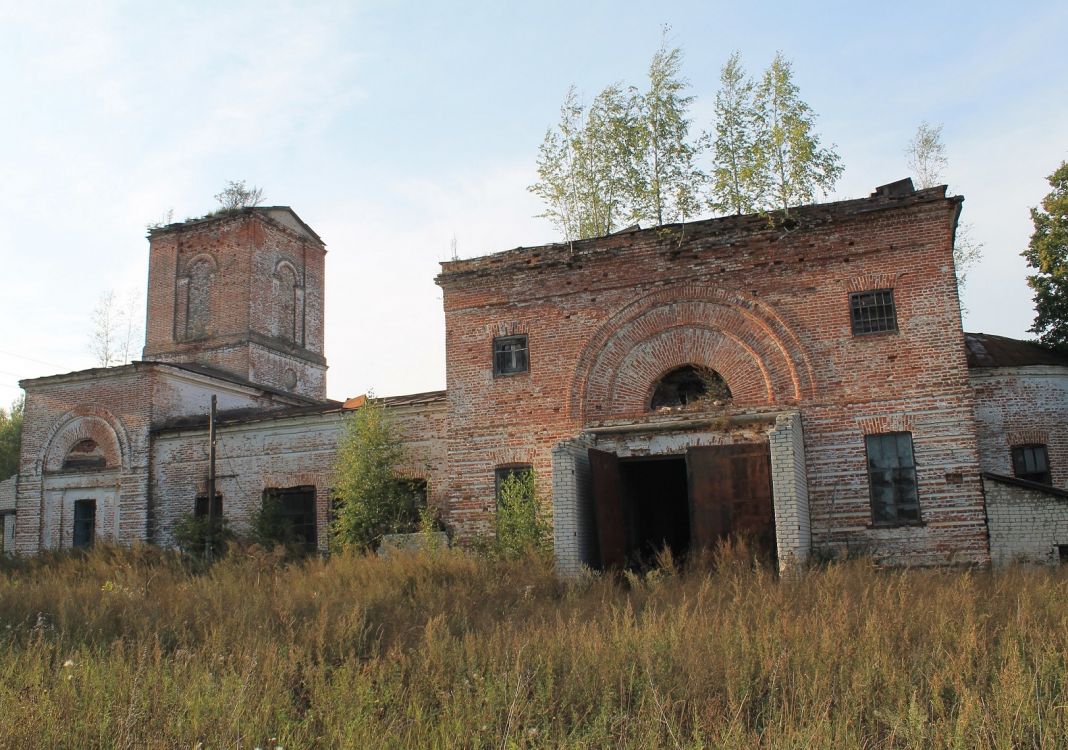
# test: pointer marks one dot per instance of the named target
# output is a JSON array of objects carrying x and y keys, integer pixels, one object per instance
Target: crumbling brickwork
[
  {"x": 286, "y": 449},
  {"x": 767, "y": 306},
  {"x": 1022, "y": 405},
  {"x": 242, "y": 292},
  {"x": 116, "y": 409}
]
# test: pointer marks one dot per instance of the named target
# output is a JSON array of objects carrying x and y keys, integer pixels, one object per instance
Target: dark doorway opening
[
  {"x": 84, "y": 523},
  {"x": 656, "y": 508},
  {"x": 686, "y": 503}
]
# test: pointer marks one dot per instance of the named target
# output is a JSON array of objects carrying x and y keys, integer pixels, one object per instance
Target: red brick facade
[
  {"x": 767, "y": 306},
  {"x": 242, "y": 292},
  {"x": 236, "y": 310}
]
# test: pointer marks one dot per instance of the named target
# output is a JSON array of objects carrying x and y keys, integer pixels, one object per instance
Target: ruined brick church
[{"x": 804, "y": 381}]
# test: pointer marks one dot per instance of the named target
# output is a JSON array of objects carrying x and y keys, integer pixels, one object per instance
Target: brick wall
[
  {"x": 765, "y": 306},
  {"x": 1022, "y": 405},
  {"x": 256, "y": 277},
  {"x": 278, "y": 452},
  {"x": 116, "y": 408},
  {"x": 1027, "y": 525}
]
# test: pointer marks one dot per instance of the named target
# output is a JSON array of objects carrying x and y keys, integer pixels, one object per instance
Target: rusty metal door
[
  {"x": 608, "y": 507},
  {"x": 730, "y": 495}
]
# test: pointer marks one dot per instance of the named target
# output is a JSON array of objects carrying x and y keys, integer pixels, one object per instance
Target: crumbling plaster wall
[
  {"x": 286, "y": 451},
  {"x": 116, "y": 407}
]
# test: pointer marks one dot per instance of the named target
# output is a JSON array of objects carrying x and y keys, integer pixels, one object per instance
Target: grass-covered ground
[{"x": 132, "y": 649}]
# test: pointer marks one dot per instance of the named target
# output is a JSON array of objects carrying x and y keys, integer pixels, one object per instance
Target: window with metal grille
[
  {"x": 84, "y": 523},
  {"x": 510, "y": 355},
  {"x": 1031, "y": 462},
  {"x": 873, "y": 312},
  {"x": 892, "y": 478}
]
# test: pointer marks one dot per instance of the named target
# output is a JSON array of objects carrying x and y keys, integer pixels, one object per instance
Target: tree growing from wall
[
  {"x": 669, "y": 180},
  {"x": 11, "y": 437},
  {"x": 1047, "y": 253},
  {"x": 735, "y": 176},
  {"x": 371, "y": 498},
  {"x": 237, "y": 195},
  {"x": 792, "y": 167},
  {"x": 925, "y": 156}
]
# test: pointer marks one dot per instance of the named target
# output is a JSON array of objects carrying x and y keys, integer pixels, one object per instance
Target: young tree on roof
[
  {"x": 670, "y": 180},
  {"x": 926, "y": 158},
  {"x": 791, "y": 165},
  {"x": 735, "y": 177}
]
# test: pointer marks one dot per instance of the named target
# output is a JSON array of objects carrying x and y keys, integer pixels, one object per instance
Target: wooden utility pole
[{"x": 209, "y": 538}]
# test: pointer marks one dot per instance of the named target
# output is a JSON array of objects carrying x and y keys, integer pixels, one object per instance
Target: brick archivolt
[
  {"x": 86, "y": 423},
  {"x": 744, "y": 340}
]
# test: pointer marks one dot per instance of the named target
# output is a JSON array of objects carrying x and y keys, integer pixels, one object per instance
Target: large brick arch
[
  {"x": 86, "y": 423},
  {"x": 743, "y": 339}
]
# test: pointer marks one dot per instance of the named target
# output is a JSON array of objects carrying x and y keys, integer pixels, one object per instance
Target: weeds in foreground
[{"x": 134, "y": 648}]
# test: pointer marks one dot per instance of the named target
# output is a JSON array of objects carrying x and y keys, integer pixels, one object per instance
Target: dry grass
[{"x": 132, "y": 649}]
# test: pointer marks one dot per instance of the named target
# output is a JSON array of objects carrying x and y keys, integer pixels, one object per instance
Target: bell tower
[{"x": 242, "y": 292}]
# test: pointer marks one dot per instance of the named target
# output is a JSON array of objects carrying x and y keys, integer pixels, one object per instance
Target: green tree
[
  {"x": 792, "y": 167},
  {"x": 520, "y": 528},
  {"x": 1047, "y": 253},
  {"x": 195, "y": 535},
  {"x": 735, "y": 177},
  {"x": 926, "y": 155},
  {"x": 11, "y": 437},
  {"x": 586, "y": 172},
  {"x": 371, "y": 498},
  {"x": 670, "y": 181}
]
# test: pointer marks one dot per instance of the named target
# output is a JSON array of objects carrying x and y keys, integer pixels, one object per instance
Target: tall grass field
[{"x": 136, "y": 649}]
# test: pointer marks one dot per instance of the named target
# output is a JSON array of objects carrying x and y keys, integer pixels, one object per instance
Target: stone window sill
[{"x": 896, "y": 524}]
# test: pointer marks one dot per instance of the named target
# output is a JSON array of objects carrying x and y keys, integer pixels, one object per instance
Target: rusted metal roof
[{"x": 987, "y": 350}]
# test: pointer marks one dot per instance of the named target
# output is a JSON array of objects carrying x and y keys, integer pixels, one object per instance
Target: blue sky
[{"x": 392, "y": 127}]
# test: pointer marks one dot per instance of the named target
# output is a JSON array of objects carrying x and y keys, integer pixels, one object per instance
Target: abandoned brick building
[{"x": 803, "y": 381}]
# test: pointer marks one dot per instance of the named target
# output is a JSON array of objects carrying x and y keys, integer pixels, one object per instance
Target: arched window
[
  {"x": 198, "y": 315},
  {"x": 687, "y": 385},
  {"x": 85, "y": 454},
  {"x": 286, "y": 302}
]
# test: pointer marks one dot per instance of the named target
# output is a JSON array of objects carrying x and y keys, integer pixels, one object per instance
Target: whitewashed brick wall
[
  {"x": 1026, "y": 525},
  {"x": 789, "y": 481}
]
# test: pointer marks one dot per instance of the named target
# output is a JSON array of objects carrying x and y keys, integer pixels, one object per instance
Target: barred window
[
  {"x": 510, "y": 355},
  {"x": 200, "y": 506},
  {"x": 892, "y": 478},
  {"x": 1031, "y": 462},
  {"x": 873, "y": 312}
]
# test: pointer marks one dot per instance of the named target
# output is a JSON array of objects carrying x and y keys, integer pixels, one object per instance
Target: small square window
[
  {"x": 892, "y": 478},
  {"x": 510, "y": 355},
  {"x": 872, "y": 312},
  {"x": 1031, "y": 462}
]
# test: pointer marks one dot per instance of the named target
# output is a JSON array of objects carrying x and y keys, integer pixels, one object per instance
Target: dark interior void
[
  {"x": 687, "y": 385},
  {"x": 656, "y": 509}
]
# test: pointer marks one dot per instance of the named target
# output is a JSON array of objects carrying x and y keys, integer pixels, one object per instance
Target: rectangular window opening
[
  {"x": 1031, "y": 462},
  {"x": 296, "y": 514},
  {"x": 872, "y": 312},
  {"x": 200, "y": 506},
  {"x": 892, "y": 478},
  {"x": 502, "y": 473},
  {"x": 510, "y": 355}
]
